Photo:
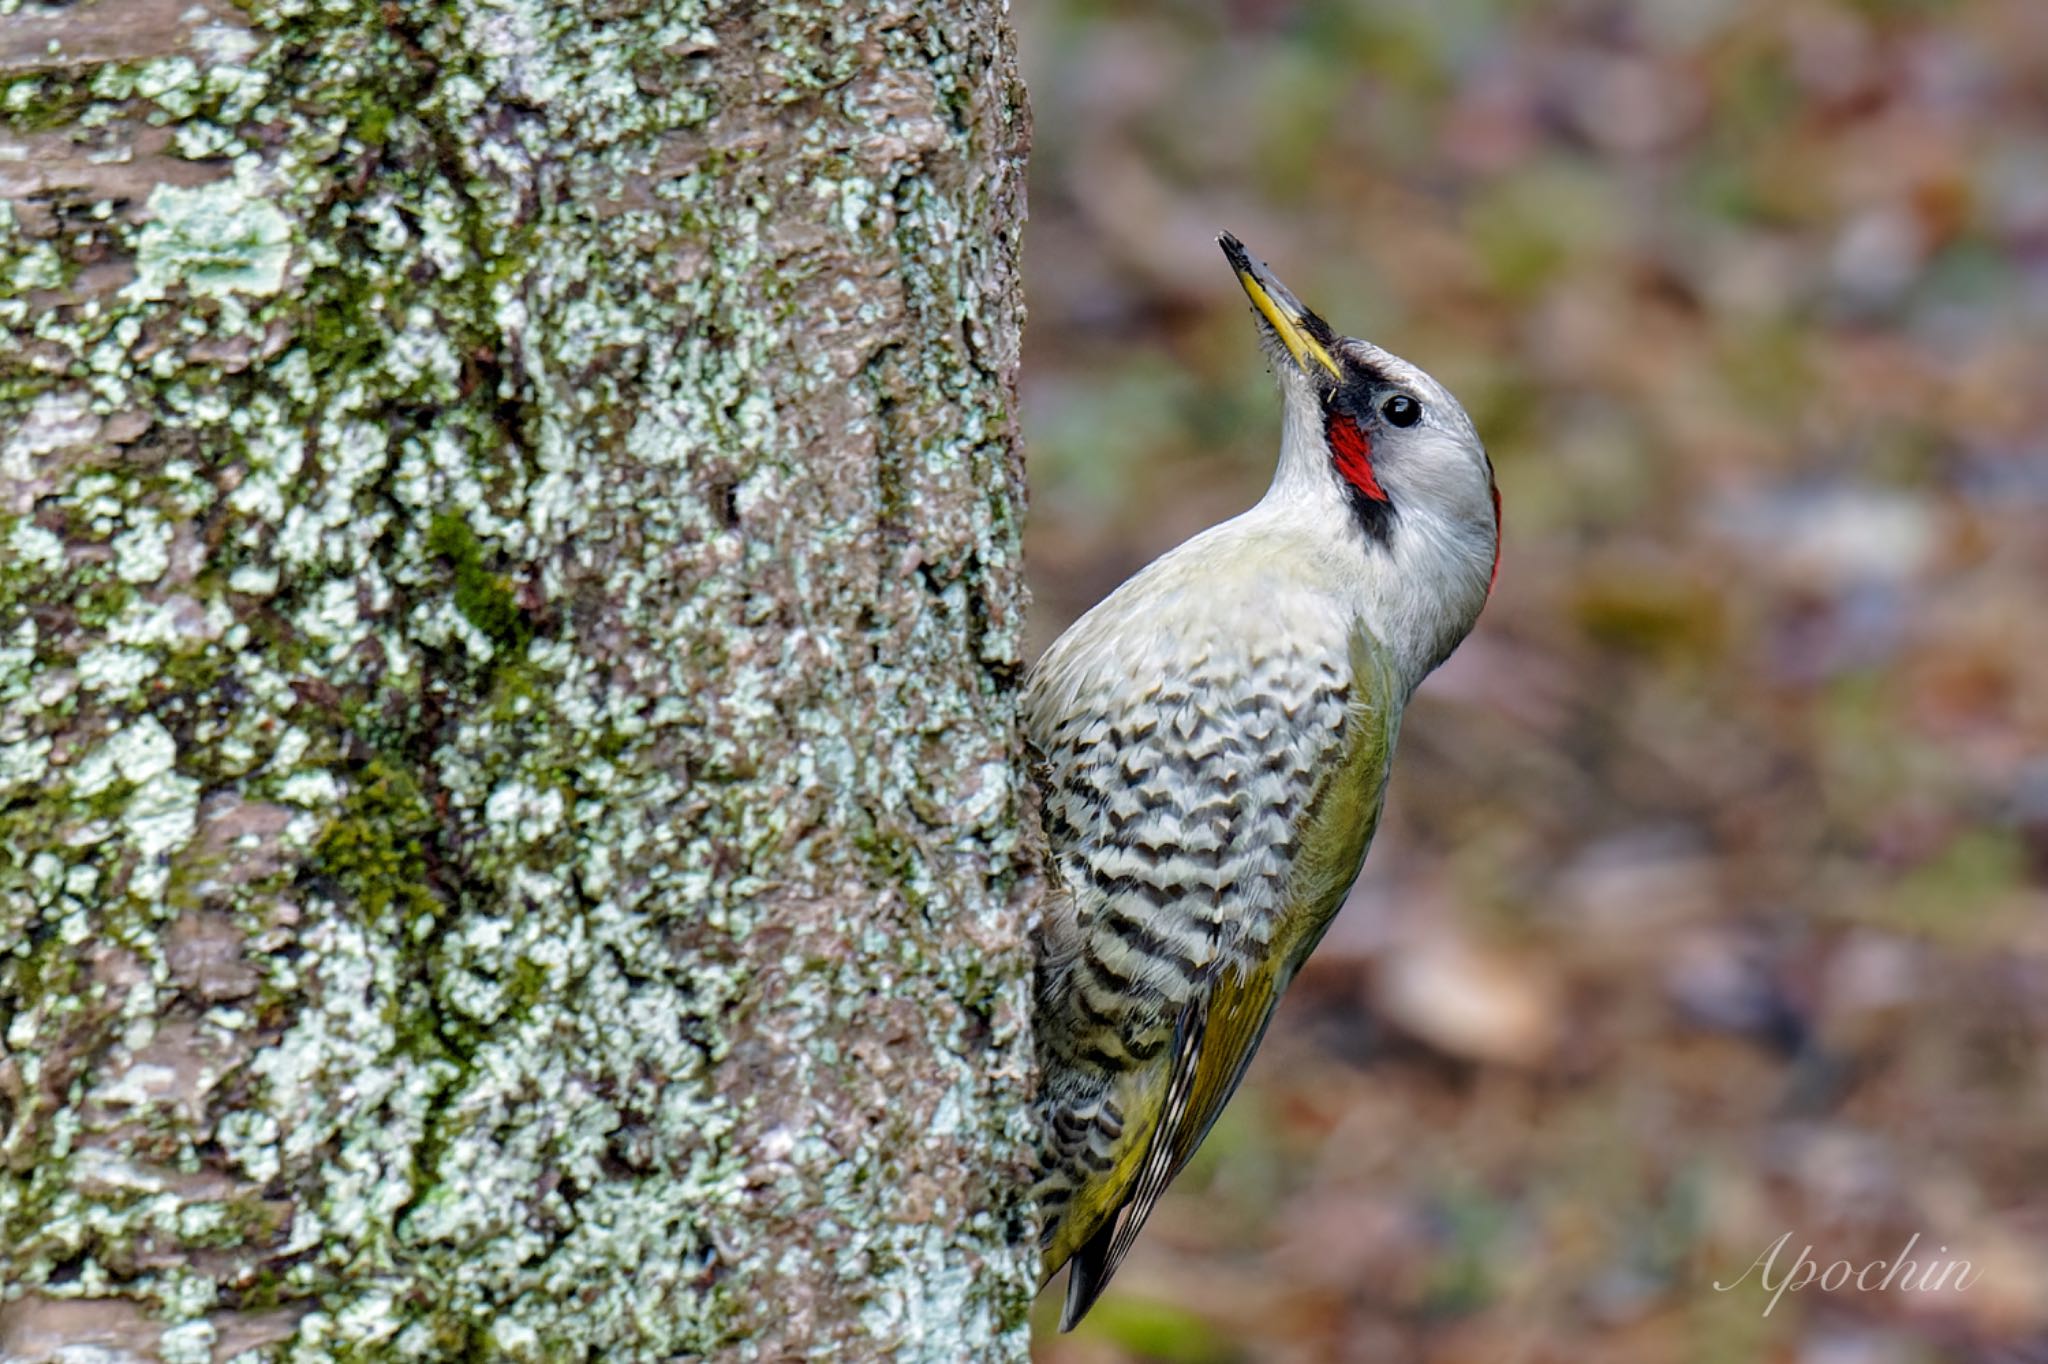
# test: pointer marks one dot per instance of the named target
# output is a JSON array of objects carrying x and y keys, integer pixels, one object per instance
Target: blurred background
[{"x": 1711, "y": 903}]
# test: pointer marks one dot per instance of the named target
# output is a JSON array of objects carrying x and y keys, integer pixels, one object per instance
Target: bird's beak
[{"x": 1306, "y": 336}]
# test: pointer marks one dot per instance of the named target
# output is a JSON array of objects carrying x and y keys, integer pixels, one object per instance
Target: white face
[
  {"x": 1387, "y": 462},
  {"x": 1424, "y": 452},
  {"x": 1398, "y": 449},
  {"x": 1380, "y": 457}
]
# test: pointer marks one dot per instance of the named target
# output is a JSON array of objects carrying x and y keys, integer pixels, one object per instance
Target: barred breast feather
[{"x": 1214, "y": 740}]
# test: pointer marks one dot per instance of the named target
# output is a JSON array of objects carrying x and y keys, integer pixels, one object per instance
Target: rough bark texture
[{"x": 508, "y": 637}]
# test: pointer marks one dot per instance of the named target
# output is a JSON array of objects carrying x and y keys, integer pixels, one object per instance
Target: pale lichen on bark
[{"x": 508, "y": 632}]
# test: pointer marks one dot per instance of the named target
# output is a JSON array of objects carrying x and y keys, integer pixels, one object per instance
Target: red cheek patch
[{"x": 1351, "y": 451}]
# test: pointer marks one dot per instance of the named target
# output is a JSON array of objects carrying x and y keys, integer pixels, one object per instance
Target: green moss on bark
[
  {"x": 373, "y": 851},
  {"x": 484, "y": 598}
]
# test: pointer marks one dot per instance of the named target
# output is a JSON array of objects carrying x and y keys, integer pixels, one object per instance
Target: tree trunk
[{"x": 508, "y": 646}]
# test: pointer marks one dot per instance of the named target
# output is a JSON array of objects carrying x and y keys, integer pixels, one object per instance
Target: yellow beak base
[{"x": 1295, "y": 325}]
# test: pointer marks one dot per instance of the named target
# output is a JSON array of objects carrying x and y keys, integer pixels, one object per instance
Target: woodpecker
[{"x": 1212, "y": 743}]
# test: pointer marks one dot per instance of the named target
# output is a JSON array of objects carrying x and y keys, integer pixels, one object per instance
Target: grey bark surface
[{"x": 509, "y": 628}]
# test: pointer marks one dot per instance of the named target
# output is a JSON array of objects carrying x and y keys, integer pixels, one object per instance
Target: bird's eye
[{"x": 1401, "y": 410}]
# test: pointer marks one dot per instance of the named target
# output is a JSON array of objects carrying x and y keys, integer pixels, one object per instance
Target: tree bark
[{"x": 509, "y": 637}]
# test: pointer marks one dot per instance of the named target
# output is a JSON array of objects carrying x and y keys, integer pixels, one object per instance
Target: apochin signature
[{"x": 1875, "y": 1276}]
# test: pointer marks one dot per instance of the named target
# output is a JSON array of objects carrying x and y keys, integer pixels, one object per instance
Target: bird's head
[{"x": 1376, "y": 444}]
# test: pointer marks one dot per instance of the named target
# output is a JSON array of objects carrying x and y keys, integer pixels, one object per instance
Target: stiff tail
[
  {"x": 1096, "y": 1261},
  {"x": 1088, "y": 1274}
]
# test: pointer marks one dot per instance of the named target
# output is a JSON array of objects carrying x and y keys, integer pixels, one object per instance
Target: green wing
[{"x": 1221, "y": 1028}]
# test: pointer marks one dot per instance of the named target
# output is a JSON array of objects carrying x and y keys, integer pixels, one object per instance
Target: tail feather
[{"x": 1088, "y": 1273}]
